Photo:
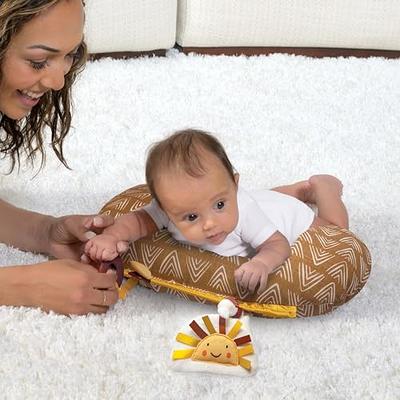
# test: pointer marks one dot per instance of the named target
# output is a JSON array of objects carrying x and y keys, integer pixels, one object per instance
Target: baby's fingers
[
  {"x": 108, "y": 255},
  {"x": 263, "y": 283},
  {"x": 253, "y": 282},
  {"x": 245, "y": 279},
  {"x": 87, "y": 247}
]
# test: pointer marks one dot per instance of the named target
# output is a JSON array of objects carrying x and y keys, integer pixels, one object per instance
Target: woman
[{"x": 41, "y": 53}]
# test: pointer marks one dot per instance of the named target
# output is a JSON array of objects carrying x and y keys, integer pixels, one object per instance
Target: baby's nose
[{"x": 209, "y": 223}]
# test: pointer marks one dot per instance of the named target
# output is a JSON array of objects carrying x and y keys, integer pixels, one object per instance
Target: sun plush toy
[{"x": 216, "y": 343}]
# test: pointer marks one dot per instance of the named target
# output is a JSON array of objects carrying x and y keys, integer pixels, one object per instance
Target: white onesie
[{"x": 261, "y": 213}]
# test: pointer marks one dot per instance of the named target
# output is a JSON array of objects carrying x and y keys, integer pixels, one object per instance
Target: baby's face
[{"x": 204, "y": 208}]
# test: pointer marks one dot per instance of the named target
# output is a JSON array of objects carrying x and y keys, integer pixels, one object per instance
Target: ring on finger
[{"x": 104, "y": 297}]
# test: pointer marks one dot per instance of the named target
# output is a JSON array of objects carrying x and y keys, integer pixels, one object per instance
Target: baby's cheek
[
  {"x": 228, "y": 355},
  {"x": 204, "y": 353}
]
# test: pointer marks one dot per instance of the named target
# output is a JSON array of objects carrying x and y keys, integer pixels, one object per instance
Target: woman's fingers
[
  {"x": 104, "y": 298},
  {"x": 97, "y": 223}
]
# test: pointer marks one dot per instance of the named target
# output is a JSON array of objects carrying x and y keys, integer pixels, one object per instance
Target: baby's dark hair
[{"x": 182, "y": 151}]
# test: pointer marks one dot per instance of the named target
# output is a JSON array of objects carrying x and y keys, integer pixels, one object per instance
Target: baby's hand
[
  {"x": 251, "y": 274},
  {"x": 103, "y": 247}
]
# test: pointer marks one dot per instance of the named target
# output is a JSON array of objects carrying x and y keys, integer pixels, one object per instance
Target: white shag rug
[{"x": 282, "y": 118}]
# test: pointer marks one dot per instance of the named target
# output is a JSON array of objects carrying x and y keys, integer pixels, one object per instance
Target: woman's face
[{"x": 39, "y": 57}]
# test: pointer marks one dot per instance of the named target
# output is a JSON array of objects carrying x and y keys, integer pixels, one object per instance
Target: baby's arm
[
  {"x": 270, "y": 254},
  {"x": 126, "y": 228}
]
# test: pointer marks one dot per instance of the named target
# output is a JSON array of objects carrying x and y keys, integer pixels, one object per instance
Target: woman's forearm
[
  {"x": 24, "y": 229},
  {"x": 12, "y": 291}
]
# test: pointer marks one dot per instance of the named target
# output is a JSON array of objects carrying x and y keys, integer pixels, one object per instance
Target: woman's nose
[{"x": 54, "y": 77}]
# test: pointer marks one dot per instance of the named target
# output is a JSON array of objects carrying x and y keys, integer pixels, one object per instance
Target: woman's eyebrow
[
  {"x": 49, "y": 49},
  {"x": 43, "y": 47}
]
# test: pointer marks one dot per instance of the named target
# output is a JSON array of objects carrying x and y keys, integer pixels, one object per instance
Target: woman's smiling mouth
[{"x": 29, "y": 99}]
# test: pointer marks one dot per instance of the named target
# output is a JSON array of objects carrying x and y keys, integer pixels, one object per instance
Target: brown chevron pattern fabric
[{"x": 327, "y": 267}]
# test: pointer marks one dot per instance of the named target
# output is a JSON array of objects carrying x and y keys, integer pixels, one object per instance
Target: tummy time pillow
[{"x": 327, "y": 267}]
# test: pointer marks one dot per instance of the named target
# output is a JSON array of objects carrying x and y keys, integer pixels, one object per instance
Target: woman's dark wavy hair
[{"x": 54, "y": 108}]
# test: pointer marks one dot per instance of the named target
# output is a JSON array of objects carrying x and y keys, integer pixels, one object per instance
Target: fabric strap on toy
[{"x": 141, "y": 271}]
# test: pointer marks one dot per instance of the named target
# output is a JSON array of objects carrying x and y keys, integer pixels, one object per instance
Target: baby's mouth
[
  {"x": 215, "y": 238},
  {"x": 215, "y": 355}
]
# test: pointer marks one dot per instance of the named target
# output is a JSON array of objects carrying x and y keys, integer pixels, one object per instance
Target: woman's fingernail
[
  {"x": 97, "y": 221},
  {"x": 89, "y": 235},
  {"x": 111, "y": 271}
]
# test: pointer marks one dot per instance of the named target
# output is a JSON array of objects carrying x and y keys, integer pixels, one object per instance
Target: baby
[{"x": 197, "y": 197}]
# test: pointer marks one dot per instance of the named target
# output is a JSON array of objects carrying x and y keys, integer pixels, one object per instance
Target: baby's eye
[
  {"x": 220, "y": 205},
  {"x": 191, "y": 217}
]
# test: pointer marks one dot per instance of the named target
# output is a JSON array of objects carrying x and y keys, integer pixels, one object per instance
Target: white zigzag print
[
  {"x": 271, "y": 295},
  {"x": 136, "y": 204},
  {"x": 339, "y": 272},
  {"x": 326, "y": 294},
  {"x": 285, "y": 271},
  {"x": 348, "y": 254},
  {"x": 320, "y": 256},
  {"x": 308, "y": 278},
  {"x": 219, "y": 281},
  {"x": 150, "y": 254},
  {"x": 197, "y": 268},
  {"x": 171, "y": 267}
]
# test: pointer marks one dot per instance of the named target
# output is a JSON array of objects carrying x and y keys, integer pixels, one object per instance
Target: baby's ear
[{"x": 236, "y": 178}]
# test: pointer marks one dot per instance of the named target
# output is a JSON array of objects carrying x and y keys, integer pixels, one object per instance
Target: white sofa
[
  {"x": 130, "y": 25},
  {"x": 145, "y": 25},
  {"x": 360, "y": 24}
]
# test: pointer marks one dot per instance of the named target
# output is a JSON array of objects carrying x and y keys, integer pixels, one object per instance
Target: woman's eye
[
  {"x": 38, "y": 64},
  {"x": 191, "y": 217},
  {"x": 220, "y": 205}
]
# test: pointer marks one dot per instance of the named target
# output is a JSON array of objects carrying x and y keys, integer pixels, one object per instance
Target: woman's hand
[
  {"x": 64, "y": 286},
  {"x": 67, "y": 235}
]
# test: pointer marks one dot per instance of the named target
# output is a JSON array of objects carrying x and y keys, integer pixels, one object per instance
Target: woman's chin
[{"x": 16, "y": 114}]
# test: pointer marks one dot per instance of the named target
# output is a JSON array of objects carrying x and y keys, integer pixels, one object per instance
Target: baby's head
[{"x": 192, "y": 179}]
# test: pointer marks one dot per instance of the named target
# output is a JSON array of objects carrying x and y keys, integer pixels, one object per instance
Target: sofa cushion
[
  {"x": 361, "y": 24},
  {"x": 130, "y": 25}
]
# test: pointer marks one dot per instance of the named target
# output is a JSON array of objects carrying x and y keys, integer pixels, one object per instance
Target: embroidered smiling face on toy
[{"x": 217, "y": 348}]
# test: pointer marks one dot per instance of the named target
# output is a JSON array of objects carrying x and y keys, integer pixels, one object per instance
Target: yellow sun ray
[
  {"x": 182, "y": 354},
  {"x": 187, "y": 339},
  {"x": 246, "y": 350},
  {"x": 246, "y": 364},
  {"x": 235, "y": 329}
]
